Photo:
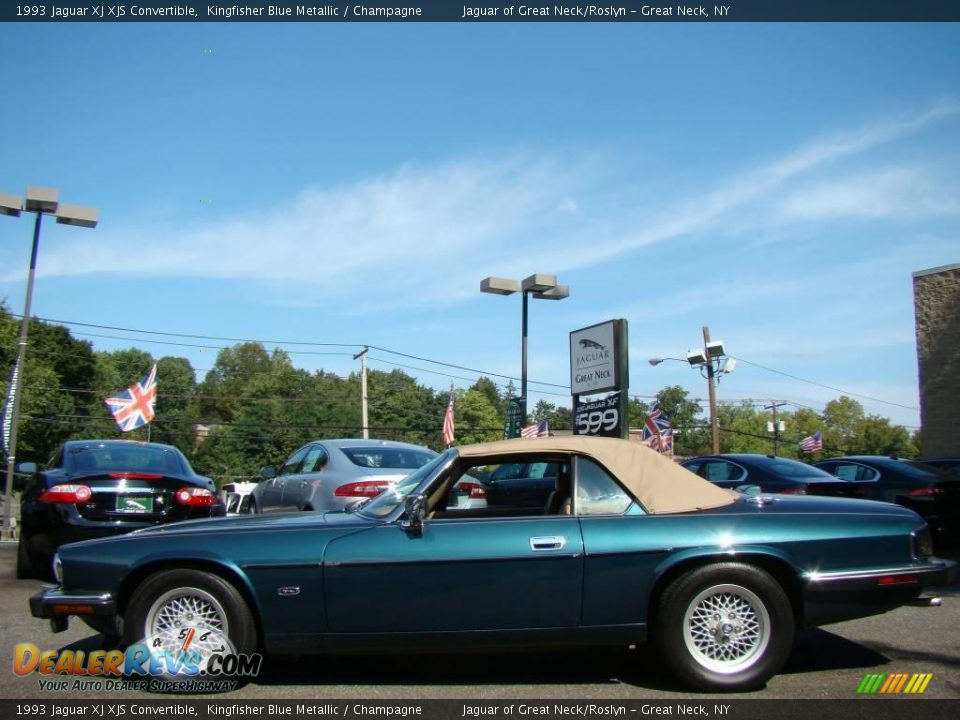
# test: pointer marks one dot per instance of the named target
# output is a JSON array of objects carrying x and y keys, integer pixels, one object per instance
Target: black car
[
  {"x": 95, "y": 488},
  {"x": 770, "y": 473},
  {"x": 931, "y": 493}
]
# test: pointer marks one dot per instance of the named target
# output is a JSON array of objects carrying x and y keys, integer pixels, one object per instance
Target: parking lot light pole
[
  {"x": 541, "y": 287},
  {"x": 41, "y": 201}
]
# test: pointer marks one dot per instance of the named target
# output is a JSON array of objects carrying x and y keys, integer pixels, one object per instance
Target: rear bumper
[
  {"x": 838, "y": 596},
  {"x": 935, "y": 573}
]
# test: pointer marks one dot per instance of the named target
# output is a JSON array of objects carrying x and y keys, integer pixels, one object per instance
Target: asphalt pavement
[{"x": 827, "y": 663}]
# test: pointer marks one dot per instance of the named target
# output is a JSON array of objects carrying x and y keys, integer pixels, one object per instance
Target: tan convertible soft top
[{"x": 657, "y": 482}]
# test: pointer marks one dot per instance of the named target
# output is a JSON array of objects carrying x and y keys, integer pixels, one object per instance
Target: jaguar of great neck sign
[{"x": 593, "y": 358}]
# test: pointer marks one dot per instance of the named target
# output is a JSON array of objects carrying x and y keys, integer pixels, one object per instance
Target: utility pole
[
  {"x": 774, "y": 427},
  {"x": 711, "y": 393},
  {"x": 362, "y": 355}
]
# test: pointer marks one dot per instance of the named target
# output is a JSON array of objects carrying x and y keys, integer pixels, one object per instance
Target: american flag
[
  {"x": 657, "y": 432},
  {"x": 133, "y": 407},
  {"x": 539, "y": 430},
  {"x": 448, "y": 436},
  {"x": 812, "y": 443}
]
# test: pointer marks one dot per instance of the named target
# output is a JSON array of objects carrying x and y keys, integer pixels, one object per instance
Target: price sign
[{"x": 599, "y": 417}]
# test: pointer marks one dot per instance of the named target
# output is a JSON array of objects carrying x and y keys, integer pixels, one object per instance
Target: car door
[
  {"x": 298, "y": 486},
  {"x": 271, "y": 497},
  {"x": 471, "y": 570}
]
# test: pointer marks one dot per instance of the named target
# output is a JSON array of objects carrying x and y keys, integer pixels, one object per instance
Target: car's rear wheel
[
  {"x": 176, "y": 610},
  {"x": 724, "y": 627}
]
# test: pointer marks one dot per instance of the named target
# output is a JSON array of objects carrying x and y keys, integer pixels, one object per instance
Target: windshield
[{"x": 392, "y": 498}]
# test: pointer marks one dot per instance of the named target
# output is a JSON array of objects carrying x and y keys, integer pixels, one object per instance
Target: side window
[
  {"x": 514, "y": 489},
  {"x": 315, "y": 459},
  {"x": 293, "y": 464},
  {"x": 244, "y": 508},
  {"x": 695, "y": 467},
  {"x": 596, "y": 492},
  {"x": 721, "y": 471},
  {"x": 853, "y": 473}
]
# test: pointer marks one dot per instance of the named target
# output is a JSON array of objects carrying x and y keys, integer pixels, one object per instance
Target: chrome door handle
[{"x": 548, "y": 542}]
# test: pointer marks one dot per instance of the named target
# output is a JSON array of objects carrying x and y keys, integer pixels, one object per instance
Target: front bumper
[{"x": 55, "y": 605}]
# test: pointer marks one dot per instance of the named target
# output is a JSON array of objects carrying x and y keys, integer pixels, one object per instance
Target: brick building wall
[{"x": 936, "y": 302}]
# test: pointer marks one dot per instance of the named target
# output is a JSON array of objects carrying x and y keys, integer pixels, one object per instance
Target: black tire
[
  {"x": 26, "y": 569},
  {"x": 201, "y": 600},
  {"x": 725, "y": 627}
]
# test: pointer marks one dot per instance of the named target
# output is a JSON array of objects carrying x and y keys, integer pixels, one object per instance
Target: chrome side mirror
[{"x": 414, "y": 512}]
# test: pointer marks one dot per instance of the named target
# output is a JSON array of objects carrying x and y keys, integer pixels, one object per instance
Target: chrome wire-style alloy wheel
[
  {"x": 726, "y": 628},
  {"x": 175, "y": 613}
]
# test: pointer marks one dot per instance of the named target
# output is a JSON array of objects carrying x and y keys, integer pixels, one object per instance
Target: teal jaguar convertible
[{"x": 518, "y": 543}]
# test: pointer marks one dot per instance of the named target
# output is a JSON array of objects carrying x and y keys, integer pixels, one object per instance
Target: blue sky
[{"x": 336, "y": 183}]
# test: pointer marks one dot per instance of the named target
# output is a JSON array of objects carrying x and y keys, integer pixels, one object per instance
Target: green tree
[
  {"x": 841, "y": 418},
  {"x": 476, "y": 418}
]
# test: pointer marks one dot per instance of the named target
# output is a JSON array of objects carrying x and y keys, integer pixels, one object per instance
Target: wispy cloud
[{"x": 404, "y": 231}]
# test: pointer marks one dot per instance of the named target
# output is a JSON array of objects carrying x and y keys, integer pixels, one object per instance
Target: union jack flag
[
  {"x": 657, "y": 431},
  {"x": 133, "y": 408}
]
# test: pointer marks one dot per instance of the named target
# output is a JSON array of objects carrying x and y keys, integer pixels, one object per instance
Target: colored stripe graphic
[{"x": 894, "y": 683}]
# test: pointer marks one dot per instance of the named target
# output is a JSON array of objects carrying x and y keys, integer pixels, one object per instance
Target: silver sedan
[{"x": 330, "y": 474}]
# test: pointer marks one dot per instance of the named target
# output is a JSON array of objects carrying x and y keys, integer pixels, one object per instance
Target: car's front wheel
[
  {"x": 181, "y": 610},
  {"x": 725, "y": 627}
]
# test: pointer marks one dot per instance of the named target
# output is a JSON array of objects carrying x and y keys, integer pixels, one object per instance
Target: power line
[{"x": 828, "y": 387}]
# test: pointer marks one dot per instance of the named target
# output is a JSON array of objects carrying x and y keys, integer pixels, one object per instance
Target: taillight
[
  {"x": 134, "y": 476},
  {"x": 195, "y": 496},
  {"x": 476, "y": 490},
  {"x": 362, "y": 488},
  {"x": 887, "y": 580},
  {"x": 794, "y": 491},
  {"x": 66, "y": 494},
  {"x": 929, "y": 491}
]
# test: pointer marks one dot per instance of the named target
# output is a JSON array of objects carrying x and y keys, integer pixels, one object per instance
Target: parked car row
[{"x": 926, "y": 487}]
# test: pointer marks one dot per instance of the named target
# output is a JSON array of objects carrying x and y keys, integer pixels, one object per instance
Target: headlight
[
  {"x": 922, "y": 543},
  {"x": 57, "y": 568}
]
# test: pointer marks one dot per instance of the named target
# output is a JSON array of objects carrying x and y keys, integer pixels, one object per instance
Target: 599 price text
[{"x": 598, "y": 422}]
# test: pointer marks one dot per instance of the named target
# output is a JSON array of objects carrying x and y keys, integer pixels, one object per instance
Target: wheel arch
[
  {"x": 224, "y": 571},
  {"x": 777, "y": 566}
]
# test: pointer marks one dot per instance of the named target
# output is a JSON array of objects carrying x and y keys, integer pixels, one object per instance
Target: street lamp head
[
  {"x": 499, "y": 286},
  {"x": 9, "y": 205},
  {"x": 556, "y": 293},
  {"x": 539, "y": 283},
  {"x": 696, "y": 357},
  {"x": 656, "y": 361},
  {"x": 78, "y": 215},
  {"x": 41, "y": 199},
  {"x": 715, "y": 349}
]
